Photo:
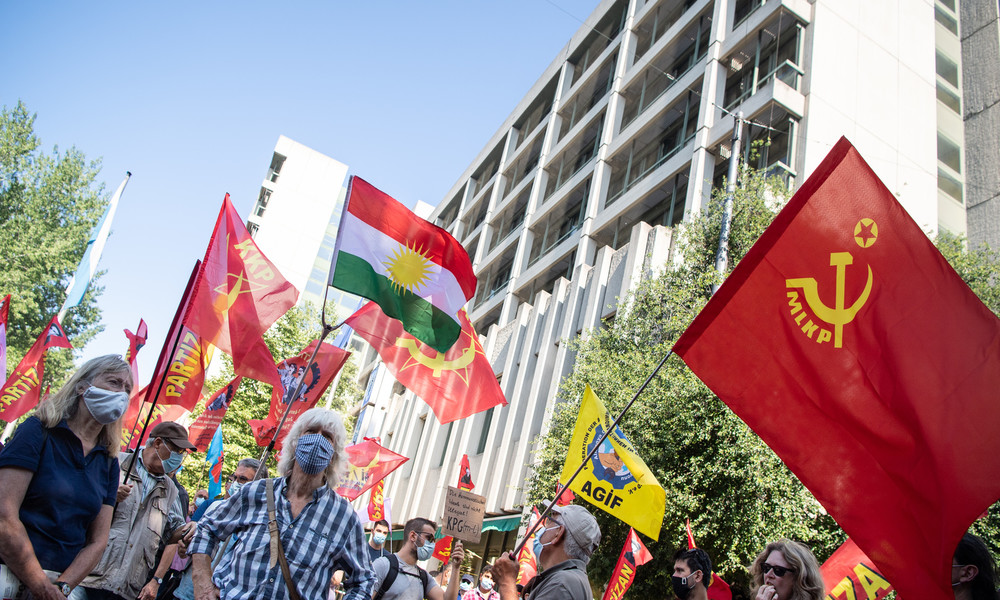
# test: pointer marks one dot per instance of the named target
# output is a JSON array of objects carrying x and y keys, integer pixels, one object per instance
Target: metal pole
[
  {"x": 722, "y": 256},
  {"x": 590, "y": 455}
]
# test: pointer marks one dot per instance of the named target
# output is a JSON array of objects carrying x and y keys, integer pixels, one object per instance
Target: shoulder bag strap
[{"x": 276, "y": 551}]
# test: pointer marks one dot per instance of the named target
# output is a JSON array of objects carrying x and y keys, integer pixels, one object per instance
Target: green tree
[
  {"x": 49, "y": 203},
  {"x": 287, "y": 337}
]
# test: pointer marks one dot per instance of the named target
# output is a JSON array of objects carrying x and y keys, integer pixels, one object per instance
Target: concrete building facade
[{"x": 573, "y": 200}]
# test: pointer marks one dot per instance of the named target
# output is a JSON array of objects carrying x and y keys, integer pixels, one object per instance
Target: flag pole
[
  {"x": 597, "y": 445},
  {"x": 163, "y": 359},
  {"x": 722, "y": 255}
]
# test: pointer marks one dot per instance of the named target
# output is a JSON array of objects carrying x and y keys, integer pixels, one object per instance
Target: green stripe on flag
[{"x": 420, "y": 318}]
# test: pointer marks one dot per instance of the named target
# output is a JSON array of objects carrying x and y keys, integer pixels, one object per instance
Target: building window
[
  {"x": 277, "y": 161},
  {"x": 444, "y": 446},
  {"x": 949, "y": 185},
  {"x": 947, "y": 69},
  {"x": 262, "y": 199},
  {"x": 949, "y": 153},
  {"x": 252, "y": 228},
  {"x": 949, "y": 98},
  {"x": 745, "y": 8},
  {"x": 949, "y": 22},
  {"x": 485, "y": 433}
]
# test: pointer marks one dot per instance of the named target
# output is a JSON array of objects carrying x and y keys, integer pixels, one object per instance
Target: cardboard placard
[{"x": 463, "y": 515}]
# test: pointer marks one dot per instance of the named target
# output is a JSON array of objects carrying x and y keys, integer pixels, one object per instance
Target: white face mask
[{"x": 105, "y": 406}]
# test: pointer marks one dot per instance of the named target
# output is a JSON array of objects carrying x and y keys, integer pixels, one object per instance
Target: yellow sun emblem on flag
[{"x": 408, "y": 268}]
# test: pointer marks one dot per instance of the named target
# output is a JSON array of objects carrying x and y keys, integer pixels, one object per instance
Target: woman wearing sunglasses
[{"x": 787, "y": 570}]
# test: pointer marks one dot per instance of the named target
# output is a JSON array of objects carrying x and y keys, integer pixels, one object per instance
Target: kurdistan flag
[
  {"x": 615, "y": 479},
  {"x": 415, "y": 271}
]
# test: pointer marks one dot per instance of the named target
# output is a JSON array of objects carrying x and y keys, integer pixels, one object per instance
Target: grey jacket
[{"x": 137, "y": 529}]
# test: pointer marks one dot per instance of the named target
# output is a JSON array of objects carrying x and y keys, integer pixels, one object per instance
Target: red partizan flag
[
  {"x": 376, "y": 503},
  {"x": 465, "y": 475},
  {"x": 238, "y": 295},
  {"x": 4, "y": 312},
  {"x": 329, "y": 360},
  {"x": 135, "y": 343},
  {"x": 369, "y": 464},
  {"x": 203, "y": 429},
  {"x": 456, "y": 383},
  {"x": 161, "y": 413},
  {"x": 852, "y": 348},
  {"x": 21, "y": 391},
  {"x": 634, "y": 553},
  {"x": 848, "y": 573}
]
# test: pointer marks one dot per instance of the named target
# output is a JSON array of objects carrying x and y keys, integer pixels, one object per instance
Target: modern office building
[
  {"x": 573, "y": 200},
  {"x": 296, "y": 216}
]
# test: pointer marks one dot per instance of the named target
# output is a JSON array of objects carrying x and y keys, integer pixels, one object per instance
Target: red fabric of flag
[
  {"x": 369, "y": 462},
  {"x": 20, "y": 393},
  {"x": 526, "y": 560},
  {"x": 634, "y": 553},
  {"x": 456, "y": 383},
  {"x": 442, "y": 549},
  {"x": 848, "y": 573},
  {"x": 465, "y": 475},
  {"x": 135, "y": 343},
  {"x": 316, "y": 378},
  {"x": 161, "y": 414},
  {"x": 566, "y": 497},
  {"x": 376, "y": 503},
  {"x": 852, "y": 348},
  {"x": 4, "y": 314},
  {"x": 216, "y": 405},
  {"x": 238, "y": 295}
]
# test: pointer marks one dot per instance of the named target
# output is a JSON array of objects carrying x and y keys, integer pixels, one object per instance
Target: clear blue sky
[{"x": 191, "y": 98}]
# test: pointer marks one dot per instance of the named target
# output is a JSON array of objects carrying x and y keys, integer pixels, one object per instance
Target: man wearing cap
[
  {"x": 149, "y": 513},
  {"x": 568, "y": 537}
]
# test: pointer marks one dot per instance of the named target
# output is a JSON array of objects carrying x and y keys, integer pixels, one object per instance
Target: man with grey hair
[
  {"x": 313, "y": 533},
  {"x": 568, "y": 537}
]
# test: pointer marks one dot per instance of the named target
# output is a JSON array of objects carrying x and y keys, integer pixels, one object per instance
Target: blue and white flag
[
  {"x": 95, "y": 245},
  {"x": 214, "y": 456}
]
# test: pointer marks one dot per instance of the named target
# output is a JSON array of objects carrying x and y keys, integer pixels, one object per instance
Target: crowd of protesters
[{"x": 79, "y": 519}]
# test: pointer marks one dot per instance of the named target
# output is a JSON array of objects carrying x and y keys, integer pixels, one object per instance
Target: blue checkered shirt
[{"x": 325, "y": 537}]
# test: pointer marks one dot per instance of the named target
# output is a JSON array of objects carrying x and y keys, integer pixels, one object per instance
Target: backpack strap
[
  {"x": 424, "y": 579},
  {"x": 390, "y": 577}
]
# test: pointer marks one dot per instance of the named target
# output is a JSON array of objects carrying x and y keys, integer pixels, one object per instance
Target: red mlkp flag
[
  {"x": 465, "y": 475},
  {"x": 376, "y": 503},
  {"x": 852, "y": 348},
  {"x": 21, "y": 391},
  {"x": 848, "y": 573},
  {"x": 237, "y": 296},
  {"x": 456, "y": 383},
  {"x": 634, "y": 553},
  {"x": 316, "y": 378},
  {"x": 203, "y": 429},
  {"x": 369, "y": 462}
]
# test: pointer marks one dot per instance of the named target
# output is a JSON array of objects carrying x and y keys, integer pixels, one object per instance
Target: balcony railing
[{"x": 787, "y": 72}]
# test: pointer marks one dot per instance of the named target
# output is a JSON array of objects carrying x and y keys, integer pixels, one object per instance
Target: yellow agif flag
[{"x": 615, "y": 479}]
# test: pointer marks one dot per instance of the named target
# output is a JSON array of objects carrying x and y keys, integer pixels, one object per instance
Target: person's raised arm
[{"x": 505, "y": 575}]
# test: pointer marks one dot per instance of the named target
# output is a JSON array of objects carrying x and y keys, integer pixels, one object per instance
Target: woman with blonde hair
[
  {"x": 787, "y": 570},
  {"x": 59, "y": 476}
]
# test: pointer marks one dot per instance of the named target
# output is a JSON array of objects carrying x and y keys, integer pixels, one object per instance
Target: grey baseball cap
[{"x": 580, "y": 524}]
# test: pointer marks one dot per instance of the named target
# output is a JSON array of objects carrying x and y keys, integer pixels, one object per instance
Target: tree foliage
[
  {"x": 49, "y": 203},
  {"x": 716, "y": 472}
]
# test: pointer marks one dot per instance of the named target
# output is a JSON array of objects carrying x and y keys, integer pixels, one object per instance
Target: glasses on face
[
  {"x": 778, "y": 571},
  {"x": 426, "y": 536}
]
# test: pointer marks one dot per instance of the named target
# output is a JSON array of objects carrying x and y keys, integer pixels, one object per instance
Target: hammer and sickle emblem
[
  {"x": 437, "y": 363},
  {"x": 839, "y": 315}
]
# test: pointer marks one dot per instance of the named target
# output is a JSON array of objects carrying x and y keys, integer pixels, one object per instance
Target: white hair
[{"x": 328, "y": 421}]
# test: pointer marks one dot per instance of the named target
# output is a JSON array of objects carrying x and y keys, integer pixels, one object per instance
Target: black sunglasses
[{"x": 778, "y": 571}]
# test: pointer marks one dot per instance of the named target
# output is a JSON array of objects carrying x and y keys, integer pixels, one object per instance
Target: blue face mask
[
  {"x": 198, "y": 502},
  {"x": 234, "y": 488},
  {"x": 172, "y": 463},
  {"x": 313, "y": 453},
  {"x": 426, "y": 551},
  {"x": 378, "y": 538}
]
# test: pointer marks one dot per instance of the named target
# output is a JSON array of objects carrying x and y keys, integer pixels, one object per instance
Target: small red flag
[
  {"x": 852, "y": 348},
  {"x": 135, "y": 343},
  {"x": 216, "y": 405},
  {"x": 376, "y": 503},
  {"x": 848, "y": 573},
  {"x": 238, "y": 295},
  {"x": 456, "y": 383},
  {"x": 567, "y": 496},
  {"x": 526, "y": 560},
  {"x": 634, "y": 553},
  {"x": 442, "y": 549},
  {"x": 4, "y": 312},
  {"x": 369, "y": 464},
  {"x": 691, "y": 544},
  {"x": 465, "y": 475},
  {"x": 328, "y": 362},
  {"x": 20, "y": 392}
]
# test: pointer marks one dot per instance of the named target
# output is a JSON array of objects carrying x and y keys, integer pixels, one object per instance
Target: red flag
[
  {"x": 465, "y": 475},
  {"x": 567, "y": 496},
  {"x": 691, "y": 544},
  {"x": 135, "y": 343},
  {"x": 456, "y": 383},
  {"x": 634, "y": 553},
  {"x": 376, "y": 503},
  {"x": 849, "y": 344},
  {"x": 369, "y": 464},
  {"x": 328, "y": 362},
  {"x": 848, "y": 573},
  {"x": 4, "y": 312},
  {"x": 161, "y": 413},
  {"x": 21, "y": 390},
  {"x": 717, "y": 588},
  {"x": 442, "y": 549},
  {"x": 216, "y": 405},
  {"x": 238, "y": 295},
  {"x": 526, "y": 560}
]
